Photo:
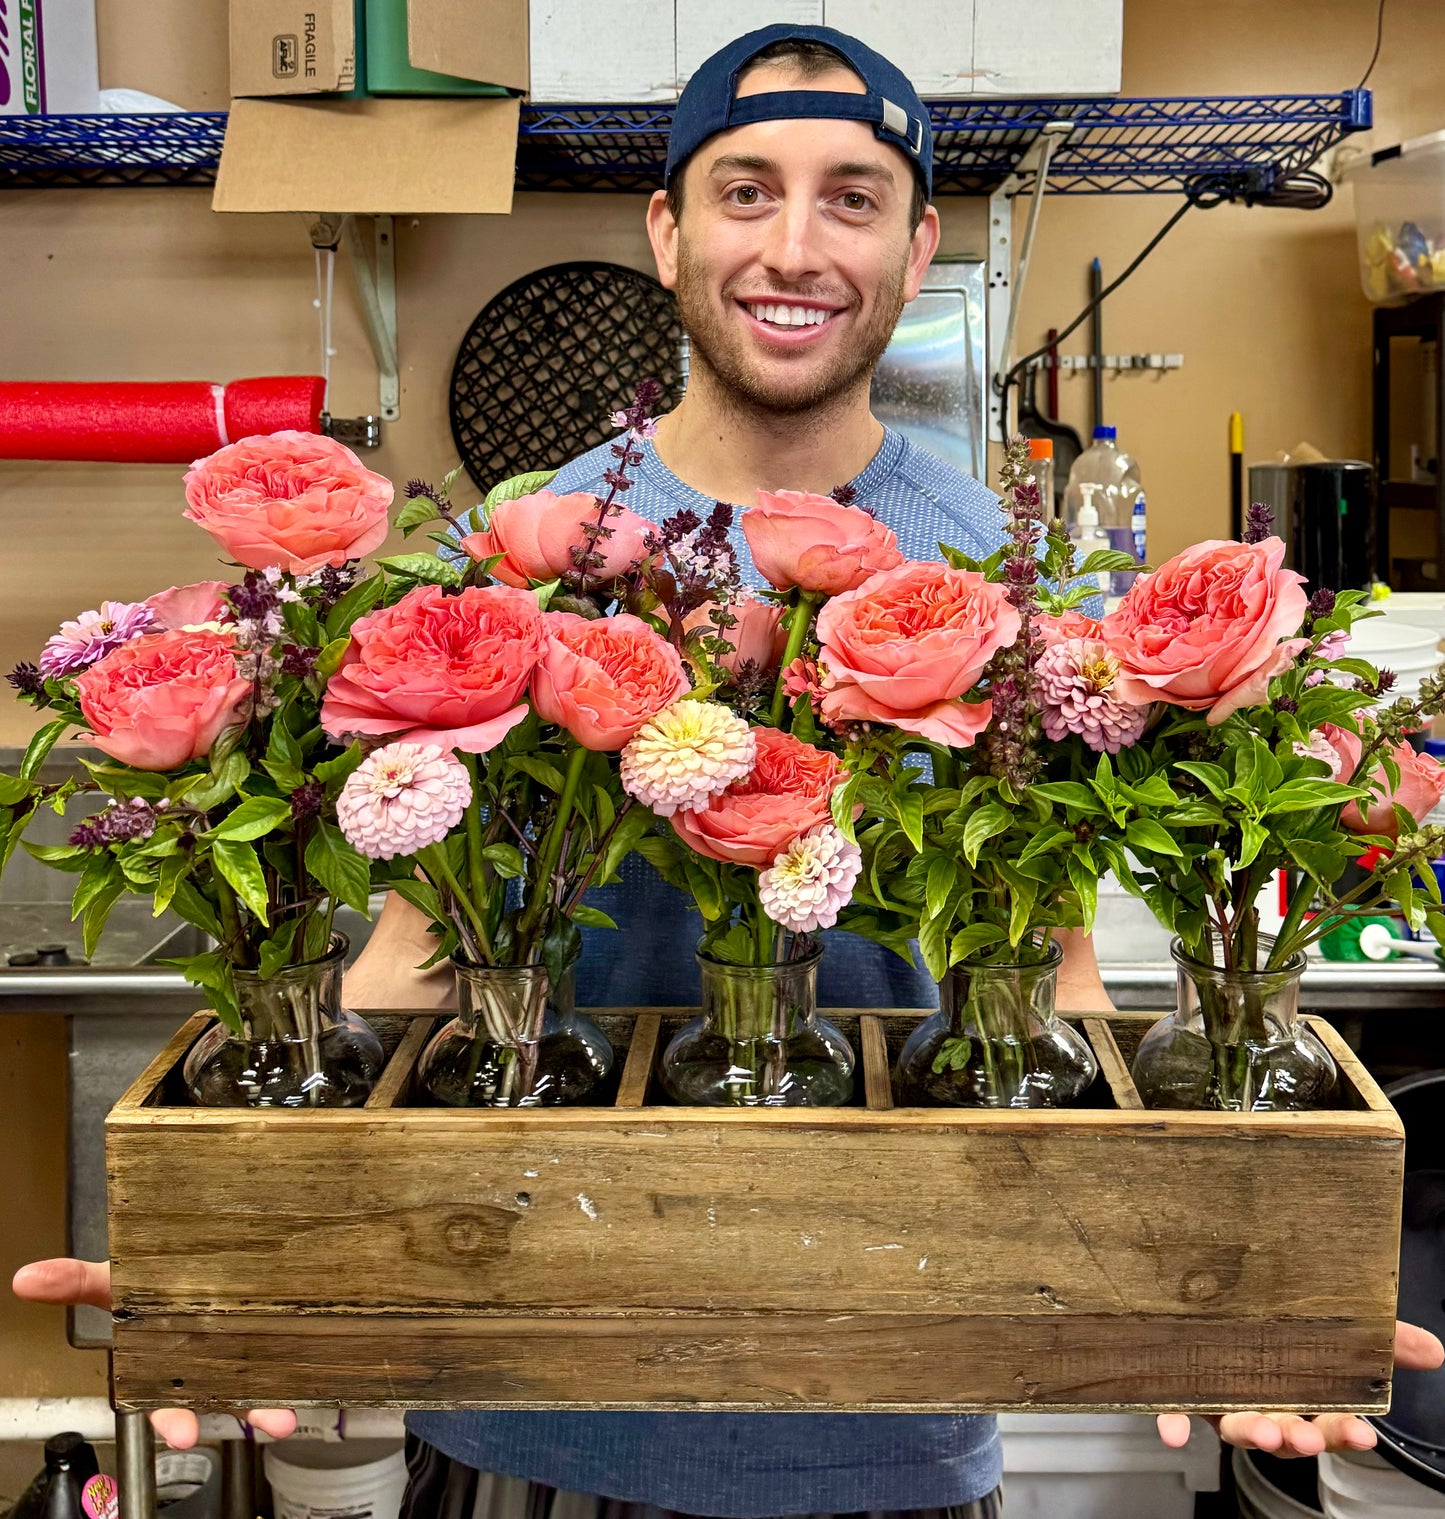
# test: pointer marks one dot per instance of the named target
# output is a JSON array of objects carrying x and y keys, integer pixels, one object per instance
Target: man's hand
[
  {"x": 1294, "y": 1435},
  {"x": 384, "y": 974},
  {"x": 70, "y": 1281},
  {"x": 1080, "y": 987}
]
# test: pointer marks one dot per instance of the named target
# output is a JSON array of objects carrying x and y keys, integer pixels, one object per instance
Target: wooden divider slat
[
  {"x": 395, "y": 1080},
  {"x": 877, "y": 1084},
  {"x": 1112, "y": 1064},
  {"x": 641, "y": 1055}
]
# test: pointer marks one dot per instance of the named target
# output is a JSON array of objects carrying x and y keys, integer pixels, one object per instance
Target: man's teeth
[{"x": 789, "y": 316}]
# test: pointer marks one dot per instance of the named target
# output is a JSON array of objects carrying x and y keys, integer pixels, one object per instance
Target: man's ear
[
  {"x": 920, "y": 252},
  {"x": 662, "y": 234}
]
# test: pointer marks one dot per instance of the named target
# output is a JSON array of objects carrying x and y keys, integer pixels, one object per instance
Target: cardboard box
[
  {"x": 586, "y": 52},
  {"x": 294, "y": 47},
  {"x": 470, "y": 40},
  {"x": 402, "y": 157},
  {"x": 993, "y": 47},
  {"x": 48, "y": 58}
]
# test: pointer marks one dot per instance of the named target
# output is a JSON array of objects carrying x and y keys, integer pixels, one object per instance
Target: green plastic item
[
  {"x": 1343, "y": 942},
  {"x": 388, "y": 69}
]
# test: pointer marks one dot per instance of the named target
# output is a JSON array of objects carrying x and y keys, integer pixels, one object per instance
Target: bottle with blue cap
[{"x": 1119, "y": 486}]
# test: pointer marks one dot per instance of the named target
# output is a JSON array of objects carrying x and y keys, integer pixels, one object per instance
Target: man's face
[{"x": 792, "y": 257}]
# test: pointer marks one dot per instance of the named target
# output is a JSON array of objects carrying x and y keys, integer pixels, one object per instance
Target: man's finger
[
  {"x": 1251, "y": 1431},
  {"x": 63, "y": 1280},
  {"x": 276, "y": 1422},
  {"x": 1345, "y": 1432},
  {"x": 1173, "y": 1429},
  {"x": 1417, "y": 1349},
  {"x": 1301, "y": 1436},
  {"x": 178, "y": 1427}
]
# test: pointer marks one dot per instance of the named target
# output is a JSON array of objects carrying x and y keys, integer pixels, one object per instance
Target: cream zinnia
[
  {"x": 690, "y": 751},
  {"x": 402, "y": 798},
  {"x": 811, "y": 881}
]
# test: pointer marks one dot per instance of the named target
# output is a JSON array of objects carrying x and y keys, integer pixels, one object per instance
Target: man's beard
[{"x": 719, "y": 346}]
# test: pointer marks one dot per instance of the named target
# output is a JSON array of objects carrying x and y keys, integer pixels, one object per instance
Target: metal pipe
[{"x": 135, "y": 1464}]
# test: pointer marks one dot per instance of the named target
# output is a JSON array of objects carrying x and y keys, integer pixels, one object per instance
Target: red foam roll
[
  {"x": 287, "y": 401},
  {"x": 148, "y": 422}
]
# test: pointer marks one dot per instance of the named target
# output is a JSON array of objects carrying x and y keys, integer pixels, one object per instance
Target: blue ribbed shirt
[{"x": 750, "y": 1465}]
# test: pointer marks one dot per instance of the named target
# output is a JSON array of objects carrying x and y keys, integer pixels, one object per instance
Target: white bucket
[
  {"x": 1389, "y": 644},
  {"x": 1362, "y": 1485},
  {"x": 1258, "y": 1497},
  {"x": 343, "y": 1479}
]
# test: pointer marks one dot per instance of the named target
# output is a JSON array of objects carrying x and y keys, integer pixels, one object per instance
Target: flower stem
[
  {"x": 799, "y": 620},
  {"x": 433, "y": 860},
  {"x": 476, "y": 865},
  {"x": 552, "y": 846}
]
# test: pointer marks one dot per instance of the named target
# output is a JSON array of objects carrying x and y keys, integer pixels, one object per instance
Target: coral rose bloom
[
  {"x": 184, "y": 606},
  {"x": 787, "y": 792},
  {"x": 1204, "y": 631},
  {"x": 1422, "y": 780},
  {"x": 798, "y": 539},
  {"x": 164, "y": 698},
  {"x": 1060, "y": 628},
  {"x": 536, "y": 535},
  {"x": 906, "y": 645},
  {"x": 602, "y": 678},
  {"x": 758, "y": 638},
  {"x": 438, "y": 669},
  {"x": 295, "y": 500}
]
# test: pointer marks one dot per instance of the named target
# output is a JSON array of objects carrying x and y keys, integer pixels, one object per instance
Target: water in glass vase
[
  {"x": 297, "y": 1047},
  {"x": 996, "y": 1042},
  {"x": 1235, "y": 1042},
  {"x": 759, "y": 1041},
  {"x": 517, "y": 1041}
]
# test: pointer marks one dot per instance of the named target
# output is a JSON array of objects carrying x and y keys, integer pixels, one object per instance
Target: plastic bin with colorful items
[{"x": 1400, "y": 218}]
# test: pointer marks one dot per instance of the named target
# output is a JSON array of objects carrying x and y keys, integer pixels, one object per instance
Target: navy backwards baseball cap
[{"x": 708, "y": 104}]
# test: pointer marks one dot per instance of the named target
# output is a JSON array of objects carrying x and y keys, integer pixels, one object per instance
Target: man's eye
[
  {"x": 856, "y": 200},
  {"x": 747, "y": 195}
]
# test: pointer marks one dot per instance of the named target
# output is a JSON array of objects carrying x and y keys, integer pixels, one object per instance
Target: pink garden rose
[
  {"x": 295, "y": 500},
  {"x": 1422, "y": 780},
  {"x": 1061, "y": 627},
  {"x": 602, "y": 678},
  {"x": 439, "y": 669},
  {"x": 536, "y": 535},
  {"x": 788, "y": 791},
  {"x": 1210, "y": 628},
  {"x": 163, "y": 698},
  {"x": 798, "y": 539},
  {"x": 905, "y": 647},
  {"x": 757, "y": 639},
  {"x": 185, "y": 606}
]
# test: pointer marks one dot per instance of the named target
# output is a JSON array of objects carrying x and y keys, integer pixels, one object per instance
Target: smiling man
[{"x": 794, "y": 226}]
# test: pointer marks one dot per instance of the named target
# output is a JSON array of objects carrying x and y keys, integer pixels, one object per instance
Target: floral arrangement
[{"x": 204, "y": 701}]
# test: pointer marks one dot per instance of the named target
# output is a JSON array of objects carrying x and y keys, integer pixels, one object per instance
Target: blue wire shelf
[{"x": 1241, "y": 144}]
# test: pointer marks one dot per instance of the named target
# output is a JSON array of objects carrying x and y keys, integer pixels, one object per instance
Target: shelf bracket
[
  {"x": 374, "y": 270},
  {"x": 1005, "y": 285}
]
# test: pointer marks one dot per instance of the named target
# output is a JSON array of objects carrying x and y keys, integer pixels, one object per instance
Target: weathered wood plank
[
  {"x": 144, "y": 1088},
  {"x": 793, "y": 1361},
  {"x": 877, "y": 1078},
  {"x": 641, "y": 1057},
  {"x": 1112, "y": 1065},
  {"x": 395, "y": 1083}
]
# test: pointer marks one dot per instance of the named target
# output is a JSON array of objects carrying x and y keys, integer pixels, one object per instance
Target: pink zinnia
[
  {"x": 93, "y": 635},
  {"x": 811, "y": 881},
  {"x": 1077, "y": 691},
  {"x": 402, "y": 798}
]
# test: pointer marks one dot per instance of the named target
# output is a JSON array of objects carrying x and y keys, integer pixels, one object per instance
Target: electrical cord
[
  {"x": 1304, "y": 190},
  {"x": 1375, "y": 56}
]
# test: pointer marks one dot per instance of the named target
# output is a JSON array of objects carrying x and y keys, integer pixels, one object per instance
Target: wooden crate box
[{"x": 640, "y": 1255}]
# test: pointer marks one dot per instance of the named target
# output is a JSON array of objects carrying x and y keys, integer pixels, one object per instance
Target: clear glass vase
[
  {"x": 298, "y": 1047},
  {"x": 517, "y": 1042},
  {"x": 1234, "y": 1043},
  {"x": 760, "y": 1041},
  {"x": 996, "y": 1042}
]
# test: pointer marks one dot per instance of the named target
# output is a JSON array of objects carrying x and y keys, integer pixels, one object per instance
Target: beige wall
[{"x": 1265, "y": 306}]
